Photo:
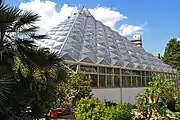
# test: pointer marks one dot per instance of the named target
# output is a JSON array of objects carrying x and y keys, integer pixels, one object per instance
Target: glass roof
[{"x": 82, "y": 38}]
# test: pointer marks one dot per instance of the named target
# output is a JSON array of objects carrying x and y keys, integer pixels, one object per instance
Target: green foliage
[
  {"x": 176, "y": 116},
  {"x": 171, "y": 54},
  {"x": 90, "y": 109},
  {"x": 6, "y": 84},
  {"x": 94, "y": 109},
  {"x": 69, "y": 93},
  {"x": 177, "y": 106},
  {"x": 80, "y": 87},
  {"x": 122, "y": 112},
  {"x": 153, "y": 102},
  {"x": 110, "y": 103},
  {"x": 28, "y": 75}
]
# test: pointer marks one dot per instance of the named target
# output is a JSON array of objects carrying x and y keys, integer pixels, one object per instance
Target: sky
[{"x": 156, "y": 20}]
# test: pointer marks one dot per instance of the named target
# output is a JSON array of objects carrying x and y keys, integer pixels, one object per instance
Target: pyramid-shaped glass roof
[{"x": 81, "y": 38}]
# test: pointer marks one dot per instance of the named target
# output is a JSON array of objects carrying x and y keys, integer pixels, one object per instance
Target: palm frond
[
  {"x": 20, "y": 68},
  {"x": 28, "y": 30},
  {"x": 34, "y": 36},
  {"x": 49, "y": 59},
  {"x": 8, "y": 15},
  {"x": 25, "y": 22},
  {"x": 1, "y": 2},
  {"x": 2, "y": 6},
  {"x": 24, "y": 45},
  {"x": 6, "y": 82}
]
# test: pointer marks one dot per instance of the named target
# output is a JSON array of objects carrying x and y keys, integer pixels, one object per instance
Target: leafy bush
[
  {"x": 91, "y": 109},
  {"x": 94, "y": 109},
  {"x": 153, "y": 102},
  {"x": 176, "y": 116},
  {"x": 177, "y": 106},
  {"x": 69, "y": 93},
  {"x": 122, "y": 112},
  {"x": 110, "y": 103}
]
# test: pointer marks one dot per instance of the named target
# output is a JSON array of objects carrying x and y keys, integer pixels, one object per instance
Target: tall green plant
[
  {"x": 153, "y": 101},
  {"x": 69, "y": 93},
  {"x": 29, "y": 74},
  {"x": 171, "y": 54}
]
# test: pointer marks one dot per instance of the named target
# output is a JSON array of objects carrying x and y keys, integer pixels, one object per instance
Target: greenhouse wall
[
  {"x": 128, "y": 94},
  {"x": 112, "y": 94},
  {"x": 118, "y": 95}
]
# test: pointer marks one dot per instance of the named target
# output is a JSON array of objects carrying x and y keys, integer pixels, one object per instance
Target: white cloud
[
  {"x": 126, "y": 30},
  {"x": 108, "y": 16},
  {"x": 50, "y": 17}
]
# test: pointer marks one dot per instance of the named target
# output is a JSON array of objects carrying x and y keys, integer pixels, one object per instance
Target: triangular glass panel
[
  {"x": 68, "y": 57},
  {"x": 87, "y": 59}
]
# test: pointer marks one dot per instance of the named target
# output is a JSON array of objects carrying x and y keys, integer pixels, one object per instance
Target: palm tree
[{"x": 28, "y": 75}]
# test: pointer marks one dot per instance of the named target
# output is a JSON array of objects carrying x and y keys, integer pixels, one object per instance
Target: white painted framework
[{"x": 105, "y": 76}]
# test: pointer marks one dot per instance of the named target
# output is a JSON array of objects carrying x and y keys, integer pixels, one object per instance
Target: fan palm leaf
[
  {"x": 6, "y": 83},
  {"x": 34, "y": 72}
]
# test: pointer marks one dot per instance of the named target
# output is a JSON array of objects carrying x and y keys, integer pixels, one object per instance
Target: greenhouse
[{"x": 114, "y": 63}]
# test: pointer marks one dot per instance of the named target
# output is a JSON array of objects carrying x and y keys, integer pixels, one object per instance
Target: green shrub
[
  {"x": 90, "y": 109},
  {"x": 110, "y": 103},
  {"x": 153, "y": 101},
  {"x": 94, "y": 109},
  {"x": 177, "y": 106},
  {"x": 70, "y": 92},
  {"x": 176, "y": 116},
  {"x": 122, "y": 112}
]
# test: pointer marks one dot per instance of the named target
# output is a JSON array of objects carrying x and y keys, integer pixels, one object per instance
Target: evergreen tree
[{"x": 172, "y": 54}]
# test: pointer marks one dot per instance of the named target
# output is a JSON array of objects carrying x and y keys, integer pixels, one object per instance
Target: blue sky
[{"x": 160, "y": 19}]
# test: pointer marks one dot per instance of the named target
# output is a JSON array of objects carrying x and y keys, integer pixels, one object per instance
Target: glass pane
[
  {"x": 116, "y": 81},
  {"x": 109, "y": 81},
  {"x": 102, "y": 69},
  {"x": 123, "y": 81},
  {"x": 116, "y": 71},
  {"x": 136, "y": 72},
  {"x": 150, "y": 79},
  {"x": 162, "y": 74},
  {"x": 147, "y": 81},
  {"x": 167, "y": 76},
  {"x": 94, "y": 80},
  {"x": 133, "y": 81},
  {"x": 128, "y": 78},
  {"x": 101, "y": 80},
  {"x": 126, "y": 72},
  {"x": 143, "y": 81},
  {"x": 109, "y": 70},
  {"x": 148, "y": 73},
  {"x": 143, "y": 73},
  {"x": 138, "y": 81},
  {"x": 155, "y": 73},
  {"x": 94, "y": 69},
  {"x": 88, "y": 68}
]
